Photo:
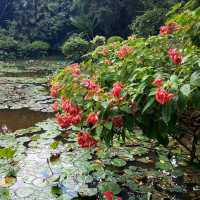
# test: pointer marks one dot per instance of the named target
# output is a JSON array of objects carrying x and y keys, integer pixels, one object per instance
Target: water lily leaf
[
  {"x": 87, "y": 192},
  {"x": 7, "y": 153},
  {"x": 35, "y": 137},
  {"x": 54, "y": 145},
  {"x": 109, "y": 186},
  {"x": 5, "y": 194},
  {"x": 118, "y": 162}
]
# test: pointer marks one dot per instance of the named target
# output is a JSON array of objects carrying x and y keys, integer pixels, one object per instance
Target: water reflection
[{"x": 12, "y": 120}]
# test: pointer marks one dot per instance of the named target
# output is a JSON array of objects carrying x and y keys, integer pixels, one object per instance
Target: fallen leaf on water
[{"x": 7, "y": 181}]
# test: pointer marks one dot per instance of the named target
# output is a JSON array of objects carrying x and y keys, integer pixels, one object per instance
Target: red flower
[
  {"x": 162, "y": 96},
  {"x": 165, "y": 30},
  {"x": 55, "y": 106},
  {"x": 175, "y": 56},
  {"x": 108, "y": 195},
  {"x": 92, "y": 118},
  {"x": 85, "y": 140},
  {"x": 67, "y": 120},
  {"x": 69, "y": 107},
  {"x": 54, "y": 90},
  {"x": 168, "y": 29},
  {"x": 75, "y": 70},
  {"x": 90, "y": 84},
  {"x": 124, "y": 51},
  {"x": 118, "y": 121},
  {"x": 72, "y": 114},
  {"x": 63, "y": 121},
  {"x": 117, "y": 89},
  {"x": 158, "y": 82},
  {"x": 119, "y": 198}
]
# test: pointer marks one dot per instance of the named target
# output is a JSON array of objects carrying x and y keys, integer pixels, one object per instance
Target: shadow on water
[{"x": 12, "y": 120}]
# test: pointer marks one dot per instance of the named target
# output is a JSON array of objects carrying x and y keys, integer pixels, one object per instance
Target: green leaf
[
  {"x": 174, "y": 78},
  {"x": 7, "y": 153},
  {"x": 54, "y": 145},
  {"x": 118, "y": 162},
  {"x": 108, "y": 125},
  {"x": 99, "y": 130},
  {"x": 167, "y": 112},
  {"x": 195, "y": 79},
  {"x": 149, "y": 104},
  {"x": 105, "y": 104},
  {"x": 185, "y": 89}
]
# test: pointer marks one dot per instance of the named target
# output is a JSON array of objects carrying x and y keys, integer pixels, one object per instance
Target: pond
[{"x": 12, "y": 120}]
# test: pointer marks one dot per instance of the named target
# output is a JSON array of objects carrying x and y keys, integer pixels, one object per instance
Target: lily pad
[{"x": 118, "y": 162}]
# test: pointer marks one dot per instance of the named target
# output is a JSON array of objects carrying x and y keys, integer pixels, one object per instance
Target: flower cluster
[
  {"x": 90, "y": 85},
  {"x": 124, "y": 51},
  {"x": 55, "y": 106},
  {"x": 162, "y": 96},
  {"x": 158, "y": 82},
  {"x": 109, "y": 195},
  {"x": 85, "y": 140},
  {"x": 54, "y": 90},
  {"x": 175, "y": 56},
  {"x": 168, "y": 29},
  {"x": 74, "y": 69},
  {"x": 72, "y": 114},
  {"x": 117, "y": 89},
  {"x": 92, "y": 118}
]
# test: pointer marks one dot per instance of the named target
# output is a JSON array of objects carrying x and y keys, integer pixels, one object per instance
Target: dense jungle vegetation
[{"x": 39, "y": 27}]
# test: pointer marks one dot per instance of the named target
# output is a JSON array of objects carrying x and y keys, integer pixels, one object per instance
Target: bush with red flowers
[{"x": 137, "y": 83}]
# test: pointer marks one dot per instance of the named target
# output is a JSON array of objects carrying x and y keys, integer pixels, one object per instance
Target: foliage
[
  {"x": 39, "y": 48},
  {"x": 7, "y": 153},
  {"x": 104, "y": 17},
  {"x": 39, "y": 20},
  {"x": 152, "y": 18},
  {"x": 98, "y": 41},
  {"x": 8, "y": 46},
  {"x": 11, "y": 48},
  {"x": 75, "y": 47},
  {"x": 148, "y": 83},
  {"x": 53, "y": 21},
  {"x": 149, "y": 23},
  {"x": 114, "y": 39}
]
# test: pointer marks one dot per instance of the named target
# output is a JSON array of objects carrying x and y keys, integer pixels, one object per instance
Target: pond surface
[{"x": 12, "y": 120}]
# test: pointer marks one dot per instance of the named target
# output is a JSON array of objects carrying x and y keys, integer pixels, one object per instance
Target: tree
[{"x": 40, "y": 20}]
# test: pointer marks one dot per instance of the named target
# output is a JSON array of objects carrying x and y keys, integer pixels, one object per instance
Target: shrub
[
  {"x": 153, "y": 84},
  {"x": 11, "y": 48},
  {"x": 37, "y": 49},
  {"x": 98, "y": 41},
  {"x": 114, "y": 39},
  {"x": 8, "y": 47},
  {"x": 75, "y": 47},
  {"x": 149, "y": 23}
]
